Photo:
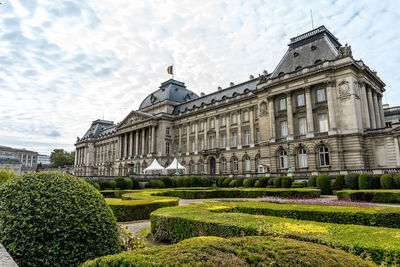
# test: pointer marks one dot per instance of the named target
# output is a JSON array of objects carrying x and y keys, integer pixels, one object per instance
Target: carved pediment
[{"x": 134, "y": 118}]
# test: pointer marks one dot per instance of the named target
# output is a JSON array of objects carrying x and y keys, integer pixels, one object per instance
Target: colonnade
[
  {"x": 138, "y": 142},
  {"x": 371, "y": 106}
]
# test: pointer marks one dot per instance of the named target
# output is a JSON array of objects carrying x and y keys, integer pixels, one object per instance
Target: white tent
[
  {"x": 172, "y": 166},
  {"x": 155, "y": 166}
]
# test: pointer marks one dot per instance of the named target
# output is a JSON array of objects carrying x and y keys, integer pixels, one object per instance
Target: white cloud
[{"x": 62, "y": 63}]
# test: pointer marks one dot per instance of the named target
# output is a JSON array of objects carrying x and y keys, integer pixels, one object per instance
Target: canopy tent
[
  {"x": 155, "y": 166},
  {"x": 172, "y": 166}
]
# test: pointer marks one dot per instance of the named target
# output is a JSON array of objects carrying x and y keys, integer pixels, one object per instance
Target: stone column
[
  {"x": 251, "y": 117},
  {"x": 180, "y": 136},
  {"x": 137, "y": 142},
  {"x": 196, "y": 137},
  {"x": 371, "y": 108},
  {"x": 120, "y": 147},
  {"x": 125, "y": 146},
  {"x": 205, "y": 135},
  {"x": 239, "y": 129},
  {"x": 228, "y": 131},
  {"x": 153, "y": 139},
  {"x": 271, "y": 109},
  {"x": 289, "y": 111},
  {"x": 310, "y": 120},
  {"x": 216, "y": 125},
  {"x": 143, "y": 139},
  {"x": 76, "y": 157},
  {"x": 131, "y": 142},
  {"x": 188, "y": 146},
  {"x": 331, "y": 107},
  {"x": 397, "y": 151},
  {"x": 381, "y": 111},
  {"x": 364, "y": 106},
  {"x": 377, "y": 112}
]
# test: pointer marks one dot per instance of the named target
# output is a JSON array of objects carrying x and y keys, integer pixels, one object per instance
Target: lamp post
[
  {"x": 136, "y": 158},
  {"x": 288, "y": 149},
  {"x": 177, "y": 155}
]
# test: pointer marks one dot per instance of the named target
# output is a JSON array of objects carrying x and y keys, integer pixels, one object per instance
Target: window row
[
  {"x": 302, "y": 159},
  {"x": 320, "y": 95},
  {"x": 302, "y": 125},
  {"x": 223, "y": 165}
]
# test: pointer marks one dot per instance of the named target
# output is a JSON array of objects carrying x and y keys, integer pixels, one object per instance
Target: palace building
[{"x": 319, "y": 110}]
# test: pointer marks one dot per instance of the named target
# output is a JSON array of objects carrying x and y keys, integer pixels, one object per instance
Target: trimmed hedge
[
  {"x": 94, "y": 184},
  {"x": 364, "y": 181},
  {"x": 239, "y": 182},
  {"x": 299, "y": 184},
  {"x": 56, "y": 219},
  {"x": 245, "y": 251},
  {"x": 168, "y": 181},
  {"x": 286, "y": 182},
  {"x": 262, "y": 182},
  {"x": 226, "y": 182},
  {"x": 376, "y": 196},
  {"x": 178, "y": 223},
  {"x": 312, "y": 181},
  {"x": 232, "y": 184},
  {"x": 339, "y": 183},
  {"x": 386, "y": 181},
  {"x": 396, "y": 181},
  {"x": 249, "y": 182},
  {"x": 351, "y": 180},
  {"x": 324, "y": 184},
  {"x": 179, "y": 182},
  {"x": 123, "y": 183},
  {"x": 205, "y": 182},
  {"x": 278, "y": 181},
  {"x": 195, "y": 181},
  {"x": 376, "y": 182},
  {"x": 155, "y": 184},
  {"x": 106, "y": 185},
  {"x": 220, "y": 180},
  {"x": 186, "y": 182}
]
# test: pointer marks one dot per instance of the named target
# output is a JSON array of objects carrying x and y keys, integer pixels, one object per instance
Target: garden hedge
[
  {"x": 387, "y": 181},
  {"x": 351, "y": 180},
  {"x": 246, "y": 251},
  {"x": 232, "y": 184},
  {"x": 286, "y": 182},
  {"x": 278, "y": 181},
  {"x": 226, "y": 182},
  {"x": 239, "y": 182},
  {"x": 205, "y": 182},
  {"x": 178, "y": 223},
  {"x": 312, "y": 181},
  {"x": 376, "y": 196},
  {"x": 364, "y": 181},
  {"x": 168, "y": 181},
  {"x": 339, "y": 183},
  {"x": 324, "y": 184},
  {"x": 56, "y": 219},
  {"x": 396, "y": 181},
  {"x": 376, "y": 182},
  {"x": 299, "y": 184},
  {"x": 249, "y": 182},
  {"x": 220, "y": 180}
]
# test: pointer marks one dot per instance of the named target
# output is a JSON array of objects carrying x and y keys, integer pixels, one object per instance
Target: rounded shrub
[
  {"x": 396, "y": 181},
  {"x": 239, "y": 182},
  {"x": 278, "y": 181},
  {"x": 105, "y": 185},
  {"x": 205, "y": 182},
  {"x": 113, "y": 184},
  {"x": 312, "y": 181},
  {"x": 364, "y": 181},
  {"x": 168, "y": 181},
  {"x": 351, "y": 180},
  {"x": 376, "y": 182},
  {"x": 141, "y": 185},
  {"x": 195, "y": 181},
  {"x": 220, "y": 180},
  {"x": 249, "y": 182},
  {"x": 262, "y": 182},
  {"x": 286, "y": 182},
  {"x": 232, "y": 183},
  {"x": 338, "y": 184},
  {"x": 386, "y": 181},
  {"x": 55, "y": 219},
  {"x": 94, "y": 184},
  {"x": 186, "y": 181},
  {"x": 271, "y": 181},
  {"x": 226, "y": 182},
  {"x": 324, "y": 184},
  {"x": 120, "y": 183},
  {"x": 135, "y": 184},
  {"x": 179, "y": 182},
  {"x": 156, "y": 184}
]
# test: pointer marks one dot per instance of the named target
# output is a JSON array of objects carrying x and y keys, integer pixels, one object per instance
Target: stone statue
[{"x": 344, "y": 51}]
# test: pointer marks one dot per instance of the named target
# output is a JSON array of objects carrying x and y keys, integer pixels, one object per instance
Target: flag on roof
[{"x": 170, "y": 70}]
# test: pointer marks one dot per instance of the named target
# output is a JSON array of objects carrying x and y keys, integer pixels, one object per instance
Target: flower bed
[
  {"x": 376, "y": 196},
  {"x": 382, "y": 245}
]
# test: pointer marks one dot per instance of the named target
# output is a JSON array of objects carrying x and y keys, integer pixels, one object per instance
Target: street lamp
[
  {"x": 136, "y": 158},
  {"x": 177, "y": 154},
  {"x": 288, "y": 148}
]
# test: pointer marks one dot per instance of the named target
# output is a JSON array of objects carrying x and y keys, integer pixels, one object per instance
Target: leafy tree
[{"x": 61, "y": 158}]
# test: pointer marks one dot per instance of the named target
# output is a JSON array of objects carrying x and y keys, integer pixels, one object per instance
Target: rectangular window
[
  {"x": 234, "y": 139},
  {"x": 302, "y": 126},
  {"x": 212, "y": 123},
  {"x": 167, "y": 131},
  {"x": 184, "y": 129},
  {"x": 323, "y": 122},
  {"x": 201, "y": 126},
  {"x": 258, "y": 138},
  {"x": 223, "y": 122},
  {"x": 223, "y": 140},
  {"x": 284, "y": 128},
  {"x": 321, "y": 95},
  {"x": 282, "y": 104},
  {"x": 256, "y": 113},
  {"x": 192, "y": 144},
  {"x": 300, "y": 100},
  {"x": 234, "y": 119},
  {"x": 192, "y": 127},
  {"x": 201, "y": 144},
  {"x": 302, "y": 160},
  {"x": 184, "y": 147},
  {"x": 167, "y": 148},
  {"x": 212, "y": 142},
  {"x": 246, "y": 116},
  {"x": 246, "y": 137}
]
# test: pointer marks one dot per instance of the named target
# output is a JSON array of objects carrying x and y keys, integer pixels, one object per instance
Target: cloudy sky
[{"x": 64, "y": 64}]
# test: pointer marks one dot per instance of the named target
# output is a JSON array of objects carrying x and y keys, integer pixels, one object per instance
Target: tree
[{"x": 61, "y": 158}]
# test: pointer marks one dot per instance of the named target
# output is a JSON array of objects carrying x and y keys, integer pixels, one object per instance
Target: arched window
[
  {"x": 191, "y": 167},
  {"x": 302, "y": 158},
  {"x": 324, "y": 156},
  {"x": 201, "y": 166},
  {"x": 283, "y": 163},
  {"x": 235, "y": 164},
  {"x": 246, "y": 164},
  {"x": 223, "y": 166}
]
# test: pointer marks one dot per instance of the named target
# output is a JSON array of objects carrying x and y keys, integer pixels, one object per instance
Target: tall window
[
  {"x": 223, "y": 165},
  {"x": 201, "y": 126},
  {"x": 324, "y": 156},
  {"x": 167, "y": 148},
  {"x": 300, "y": 100},
  {"x": 302, "y": 158},
  {"x": 235, "y": 165},
  {"x": 246, "y": 116},
  {"x": 246, "y": 164},
  {"x": 283, "y": 163},
  {"x": 321, "y": 95},
  {"x": 323, "y": 122},
  {"x": 257, "y": 161},
  {"x": 223, "y": 140},
  {"x": 282, "y": 104},
  {"x": 284, "y": 129},
  {"x": 201, "y": 143},
  {"x": 192, "y": 127},
  {"x": 246, "y": 137},
  {"x": 192, "y": 145},
  {"x": 184, "y": 147},
  {"x": 167, "y": 131},
  {"x": 234, "y": 139},
  {"x": 212, "y": 142},
  {"x": 223, "y": 122},
  {"x": 302, "y": 126},
  {"x": 234, "y": 121},
  {"x": 192, "y": 170},
  {"x": 258, "y": 138},
  {"x": 212, "y": 123},
  {"x": 184, "y": 129},
  {"x": 201, "y": 166}
]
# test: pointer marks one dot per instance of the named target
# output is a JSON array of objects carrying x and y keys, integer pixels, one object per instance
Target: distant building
[
  {"x": 10, "y": 163},
  {"x": 44, "y": 159},
  {"x": 27, "y": 158},
  {"x": 392, "y": 115}
]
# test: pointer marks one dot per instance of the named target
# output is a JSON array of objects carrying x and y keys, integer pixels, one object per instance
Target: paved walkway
[{"x": 5, "y": 258}]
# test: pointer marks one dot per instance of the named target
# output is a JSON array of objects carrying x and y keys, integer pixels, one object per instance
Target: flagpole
[{"x": 172, "y": 71}]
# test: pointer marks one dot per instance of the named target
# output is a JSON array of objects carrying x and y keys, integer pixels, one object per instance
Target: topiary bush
[
  {"x": 249, "y": 182},
  {"x": 351, "y": 180},
  {"x": 286, "y": 182},
  {"x": 205, "y": 182},
  {"x": 179, "y": 182},
  {"x": 386, "y": 181},
  {"x": 396, "y": 181},
  {"x": 278, "y": 181},
  {"x": 312, "y": 181},
  {"x": 262, "y": 182},
  {"x": 376, "y": 182},
  {"x": 220, "y": 180},
  {"x": 195, "y": 181},
  {"x": 55, "y": 219},
  {"x": 364, "y": 181},
  {"x": 120, "y": 183},
  {"x": 168, "y": 181},
  {"x": 94, "y": 184},
  {"x": 226, "y": 182},
  {"x": 299, "y": 184},
  {"x": 232, "y": 183},
  {"x": 271, "y": 181},
  {"x": 156, "y": 184},
  {"x": 113, "y": 184},
  {"x": 339, "y": 184},
  {"x": 324, "y": 184},
  {"x": 135, "y": 184},
  {"x": 186, "y": 181},
  {"x": 239, "y": 182},
  {"x": 105, "y": 185}
]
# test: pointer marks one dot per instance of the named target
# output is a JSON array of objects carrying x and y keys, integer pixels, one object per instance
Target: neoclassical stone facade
[
  {"x": 27, "y": 158},
  {"x": 319, "y": 100}
]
